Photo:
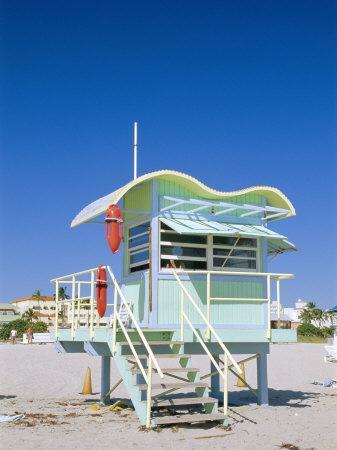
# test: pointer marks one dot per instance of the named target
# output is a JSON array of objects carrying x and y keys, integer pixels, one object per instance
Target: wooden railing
[
  {"x": 277, "y": 277},
  {"x": 75, "y": 303}
]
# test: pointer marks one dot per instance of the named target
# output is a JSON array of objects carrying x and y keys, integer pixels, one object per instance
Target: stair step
[
  {"x": 153, "y": 343},
  {"x": 172, "y": 402},
  {"x": 170, "y": 369},
  {"x": 173, "y": 385},
  {"x": 161, "y": 355},
  {"x": 188, "y": 418}
]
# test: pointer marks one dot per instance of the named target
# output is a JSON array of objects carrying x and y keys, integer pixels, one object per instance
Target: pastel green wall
[
  {"x": 138, "y": 198},
  {"x": 222, "y": 312},
  {"x": 171, "y": 188},
  {"x": 136, "y": 292}
]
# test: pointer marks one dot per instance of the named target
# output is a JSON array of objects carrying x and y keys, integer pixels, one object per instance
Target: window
[
  {"x": 138, "y": 247},
  {"x": 234, "y": 253},
  {"x": 182, "y": 250},
  {"x": 198, "y": 252}
]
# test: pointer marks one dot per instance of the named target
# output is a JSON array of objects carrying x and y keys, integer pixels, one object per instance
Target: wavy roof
[{"x": 273, "y": 195}]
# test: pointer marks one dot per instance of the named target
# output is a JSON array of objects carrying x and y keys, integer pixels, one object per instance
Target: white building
[{"x": 43, "y": 306}]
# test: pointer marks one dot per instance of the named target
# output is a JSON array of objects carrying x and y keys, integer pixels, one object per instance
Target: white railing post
[
  {"x": 92, "y": 291},
  {"x": 149, "y": 392},
  {"x": 78, "y": 321},
  {"x": 225, "y": 385},
  {"x": 73, "y": 294},
  {"x": 56, "y": 309},
  {"x": 208, "y": 294},
  {"x": 181, "y": 315},
  {"x": 278, "y": 299},
  {"x": 268, "y": 306},
  {"x": 114, "y": 325}
]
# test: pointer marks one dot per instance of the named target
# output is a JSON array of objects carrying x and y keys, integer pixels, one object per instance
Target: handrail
[
  {"x": 139, "y": 330},
  {"x": 270, "y": 276},
  {"x": 117, "y": 319},
  {"x": 202, "y": 315}
]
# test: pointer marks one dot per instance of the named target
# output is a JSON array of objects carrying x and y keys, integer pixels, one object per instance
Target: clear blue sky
[{"x": 235, "y": 93}]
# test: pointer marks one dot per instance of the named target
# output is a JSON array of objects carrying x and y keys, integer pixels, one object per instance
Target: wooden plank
[
  {"x": 188, "y": 418},
  {"x": 173, "y": 385},
  {"x": 173, "y": 402},
  {"x": 167, "y": 370},
  {"x": 161, "y": 355},
  {"x": 153, "y": 343}
]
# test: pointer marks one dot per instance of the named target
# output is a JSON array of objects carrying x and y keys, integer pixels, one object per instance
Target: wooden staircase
[{"x": 180, "y": 397}]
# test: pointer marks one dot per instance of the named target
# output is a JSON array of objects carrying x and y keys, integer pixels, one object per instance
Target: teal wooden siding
[
  {"x": 136, "y": 292},
  {"x": 222, "y": 312}
]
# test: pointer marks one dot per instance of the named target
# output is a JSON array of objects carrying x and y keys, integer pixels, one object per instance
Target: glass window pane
[
  {"x": 139, "y": 257},
  {"x": 183, "y": 251},
  {"x": 184, "y": 238},
  {"x": 226, "y": 240},
  {"x": 140, "y": 240},
  {"x": 235, "y": 263},
  {"x": 242, "y": 253},
  {"x": 190, "y": 265},
  {"x": 138, "y": 268},
  {"x": 221, "y": 251},
  {"x": 139, "y": 229}
]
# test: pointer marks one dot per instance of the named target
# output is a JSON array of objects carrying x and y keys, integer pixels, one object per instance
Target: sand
[{"x": 45, "y": 386}]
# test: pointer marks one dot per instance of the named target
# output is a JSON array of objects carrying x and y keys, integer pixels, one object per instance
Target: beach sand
[{"x": 44, "y": 385}]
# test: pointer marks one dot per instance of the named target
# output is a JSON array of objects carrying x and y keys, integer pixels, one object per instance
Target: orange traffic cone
[
  {"x": 239, "y": 382},
  {"x": 87, "y": 386}
]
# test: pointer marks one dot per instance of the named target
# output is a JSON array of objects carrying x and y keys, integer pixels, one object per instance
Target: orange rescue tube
[
  {"x": 114, "y": 227},
  {"x": 101, "y": 291}
]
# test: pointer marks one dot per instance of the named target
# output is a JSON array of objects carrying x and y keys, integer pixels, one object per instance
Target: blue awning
[{"x": 277, "y": 243}]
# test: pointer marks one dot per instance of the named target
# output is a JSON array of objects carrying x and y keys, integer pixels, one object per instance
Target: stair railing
[
  {"x": 227, "y": 355},
  {"x": 117, "y": 322}
]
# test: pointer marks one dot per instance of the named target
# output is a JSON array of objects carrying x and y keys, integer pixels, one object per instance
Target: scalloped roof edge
[{"x": 274, "y": 196}]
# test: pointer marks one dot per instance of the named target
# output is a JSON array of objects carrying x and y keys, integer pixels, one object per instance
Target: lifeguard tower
[{"x": 194, "y": 281}]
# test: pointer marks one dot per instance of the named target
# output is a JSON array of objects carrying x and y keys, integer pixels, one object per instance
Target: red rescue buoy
[
  {"x": 101, "y": 291},
  {"x": 113, "y": 227}
]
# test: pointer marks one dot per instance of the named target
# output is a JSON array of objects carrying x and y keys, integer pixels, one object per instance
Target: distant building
[
  {"x": 294, "y": 313},
  {"x": 43, "y": 306},
  {"x": 8, "y": 313}
]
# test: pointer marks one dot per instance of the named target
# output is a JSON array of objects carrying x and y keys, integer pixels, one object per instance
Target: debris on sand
[{"x": 4, "y": 418}]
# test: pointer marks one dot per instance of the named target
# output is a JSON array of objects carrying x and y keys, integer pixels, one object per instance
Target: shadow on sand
[
  {"x": 7, "y": 397},
  {"x": 295, "y": 399}
]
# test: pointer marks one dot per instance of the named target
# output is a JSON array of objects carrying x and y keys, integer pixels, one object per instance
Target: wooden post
[
  {"x": 149, "y": 391},
  {"x": 181, "y": 315},
  {"x": 56, "y": 309},
  {"x": 114, "y": 326},
  {"x": 92, "y": 290},
  {"x": 225, "y": 385},
  {"x": 278, "y": 302},
  {"x": 73, "y": 294},
  {"x": 208, "y": 290},
  {"x": 268, "y": 306}
]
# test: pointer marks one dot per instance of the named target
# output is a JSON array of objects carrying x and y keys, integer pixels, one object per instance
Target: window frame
[
  {"x": 209, "y": 246},
  {"x": 138, "y": 248}
]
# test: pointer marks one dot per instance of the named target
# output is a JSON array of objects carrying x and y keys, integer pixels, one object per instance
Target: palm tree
[
  {"x": 63, "y": 294},
  {"x": 36, "y": 293},
  {"x": 306, "y": 315},
  {"x": 30, "y": 315}
]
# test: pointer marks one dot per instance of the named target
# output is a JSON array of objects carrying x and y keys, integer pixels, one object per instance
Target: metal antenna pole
[{"x": 135, "y": 136}]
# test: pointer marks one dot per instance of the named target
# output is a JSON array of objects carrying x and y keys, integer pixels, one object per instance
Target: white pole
[{"x": 135, "y": 136}]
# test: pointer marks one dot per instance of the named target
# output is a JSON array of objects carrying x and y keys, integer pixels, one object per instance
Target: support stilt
[
  {"x": 105, "y": 380},
  {"x": 215, "y": 380},
  {"x": 262, "y": 379}
]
